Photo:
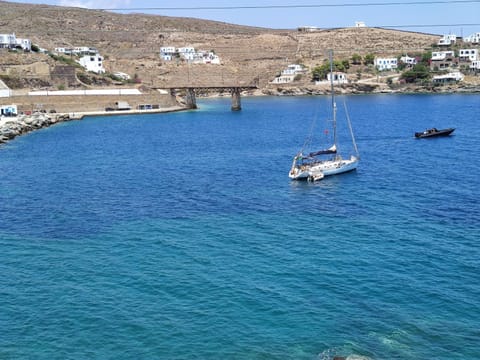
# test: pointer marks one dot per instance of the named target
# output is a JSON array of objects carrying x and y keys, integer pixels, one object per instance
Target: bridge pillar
[
  {"x": 236, "y": 105},
  {"x": 190, "y": 99}
]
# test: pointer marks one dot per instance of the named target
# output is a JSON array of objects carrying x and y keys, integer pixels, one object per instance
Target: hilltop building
[
  {"x": 408, "y": 60},
  {"x": 10, "y": 41},
  {"x": 442, "y": 60},
  {"x": 468, "y": 55},
  {"x": 447, "y": 40},
  {"x": 93, "y": 63},
  {"x": 189, "y": 54},
  {"x": 474, "y": 38},
  {"x": 76, "y": 51},
  {"x": 451, "y": 77},
  {"x": 288, "y": 74},
  {"x": 383, "y": 64}
]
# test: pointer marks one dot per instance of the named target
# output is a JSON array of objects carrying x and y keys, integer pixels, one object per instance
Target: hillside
[{"x": 130, "y": 43}]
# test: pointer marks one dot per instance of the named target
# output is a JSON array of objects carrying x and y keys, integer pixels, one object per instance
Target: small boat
[
  {"x": 315, "y": 165},
  {"x": 433, "y": 132}
]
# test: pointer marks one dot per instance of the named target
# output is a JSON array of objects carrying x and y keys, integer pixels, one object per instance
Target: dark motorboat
[{"x": 433, "y": 132}]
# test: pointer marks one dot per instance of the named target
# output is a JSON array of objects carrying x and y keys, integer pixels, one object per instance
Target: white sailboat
[{"x": 316, "y": 165}]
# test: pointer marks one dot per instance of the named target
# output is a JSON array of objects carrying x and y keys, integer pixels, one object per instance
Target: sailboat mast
[{"x": 334, "y": 105}]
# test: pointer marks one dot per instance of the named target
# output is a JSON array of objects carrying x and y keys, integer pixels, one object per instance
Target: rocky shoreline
[
  {"x": 13, "y": 126},
  {"x": 369, "y": 89}
]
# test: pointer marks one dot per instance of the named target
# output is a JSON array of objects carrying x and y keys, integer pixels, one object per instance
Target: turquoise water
[{"x": 180, "y": 236}]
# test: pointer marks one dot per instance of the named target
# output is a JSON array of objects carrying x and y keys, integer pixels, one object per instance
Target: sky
[{"x": 459, "y": 17}]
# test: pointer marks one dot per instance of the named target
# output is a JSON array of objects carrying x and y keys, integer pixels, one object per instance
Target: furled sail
[{"x": 331, "y": 150}]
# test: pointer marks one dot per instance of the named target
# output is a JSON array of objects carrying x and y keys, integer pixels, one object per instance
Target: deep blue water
[{"x": 180, "y": 236}]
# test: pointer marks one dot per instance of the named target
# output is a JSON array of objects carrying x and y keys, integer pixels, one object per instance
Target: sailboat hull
[{"x": 323, "y": 168}]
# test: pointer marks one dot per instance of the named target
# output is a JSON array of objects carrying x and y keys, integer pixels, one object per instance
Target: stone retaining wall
[{"x": 82, "y": 103}]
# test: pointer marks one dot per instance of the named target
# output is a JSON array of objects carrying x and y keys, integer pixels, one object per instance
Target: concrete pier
[
  {"x": 190, "y": 98},
  {"x": 236, "y": 103}
]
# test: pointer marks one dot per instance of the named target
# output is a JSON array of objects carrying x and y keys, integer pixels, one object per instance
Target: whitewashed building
[
  {"x": 187, "y": 53},
  {"x": 210, "y": 58},
  {"x": 293, "y": 69},
  {"x": 338, "y": 78},
  {"x": 360, "y": 24},
  {"x": 93, "y": 63},
  {"x": 25, "y": 44},
  {"x": 283, "y": 79},
  {"x": 474, "y": 38},
  {"x": 475, "y": 65},
  {"x": 84, "y": 50},
  {"x": 7, "y": 41},
  {"x": 63, "y": 50},
  {"x": 442, "y": 55},
  {"x": 408, "y": 60},
  {"x": 447, "y": 40},
  {"x": 10, "y": 41},
  {"x": 167, "y": 53},
  {"x": 468, "y": 54},
  {"x": 448, "y": 78},
  {"x": 288, "y": 74},
  {"x": 383, "y": 64}
]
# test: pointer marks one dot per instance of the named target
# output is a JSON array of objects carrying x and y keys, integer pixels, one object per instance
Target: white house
[
  {"x": 447, "y": 40},
  {"x": 442, "y": 55},
  {"x": 386, "y": 63},
  {"x": 475, "y": 65},
  {"x": 408, "y": 60},
  {"x": 447, "y": 78},
  {"x": 359, "y": 24},
  {"x": 474, "y": 38},
  {"x": 283, "y": 79},
  {"x": 93, "y": 63},
  {"x": 293, "y": 69},
  {"x": 167, "y": 53},
  {"x": 288, "y": 74},
  {"x": 7, "y": 41},
  {"x": 468, "y": 54},
  {"x": 188, "y": 53},
  {"x": 338, "y": 78},
  {"x": 211, "y": 58},
  {"x": 25, "y": 44},
  {"x": 63, "y": 50},
  {"x": 84, "y": 50}
]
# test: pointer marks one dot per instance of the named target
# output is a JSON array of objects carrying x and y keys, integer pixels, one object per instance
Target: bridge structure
[{"x": 235, "y": 90}]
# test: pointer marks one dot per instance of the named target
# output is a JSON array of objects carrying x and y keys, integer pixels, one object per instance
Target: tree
[
  {"x": 320, "y": 72},
  {"x": 345, "y": 64},
  {"x": 369, "y": 59},
  {"x": 417, "y": 73},
  {"x": 356, "y": 59}
]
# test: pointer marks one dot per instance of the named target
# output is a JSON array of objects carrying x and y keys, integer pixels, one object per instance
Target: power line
[{"x": 240, "y": 7}]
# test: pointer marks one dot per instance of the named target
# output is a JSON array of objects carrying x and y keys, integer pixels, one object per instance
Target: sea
[{"x": 181, "y": 236}]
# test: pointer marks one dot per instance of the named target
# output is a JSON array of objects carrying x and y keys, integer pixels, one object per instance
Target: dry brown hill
[{"x": 131, "y": 43}]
